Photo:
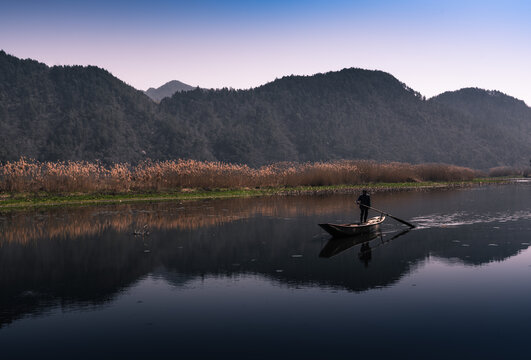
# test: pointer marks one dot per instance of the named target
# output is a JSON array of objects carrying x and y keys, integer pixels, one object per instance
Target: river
[{"x": 258, "y": 278}]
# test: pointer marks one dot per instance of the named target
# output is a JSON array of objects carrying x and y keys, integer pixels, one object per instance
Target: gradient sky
[{"x": 432, "y": 46}]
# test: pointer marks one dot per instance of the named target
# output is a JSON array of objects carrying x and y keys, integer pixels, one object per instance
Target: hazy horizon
[{"x": 433, "y": 47}]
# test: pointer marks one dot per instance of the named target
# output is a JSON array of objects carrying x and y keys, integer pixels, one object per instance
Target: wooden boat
[{"x": 342, "y": 230}]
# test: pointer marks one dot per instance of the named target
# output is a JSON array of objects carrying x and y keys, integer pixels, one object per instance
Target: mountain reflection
[{"x": 87, "y": 256}]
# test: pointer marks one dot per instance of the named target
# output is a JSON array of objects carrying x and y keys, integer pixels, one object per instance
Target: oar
[{"x": 391, "y": 216}]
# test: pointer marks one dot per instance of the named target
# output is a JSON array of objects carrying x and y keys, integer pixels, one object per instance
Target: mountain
[
  {"x": 167, "y": 90},
  {"x": 71, "y": 112},
  {"x": 352, "y": 113},
  {"x": 502, "y": 122},
  {"x": 84, "y": 113}
]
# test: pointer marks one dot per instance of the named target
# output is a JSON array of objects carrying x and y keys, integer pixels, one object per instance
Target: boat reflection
[{"x": 335, "y": 246}]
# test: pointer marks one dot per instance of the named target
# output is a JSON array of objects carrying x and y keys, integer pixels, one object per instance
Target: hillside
[
  {"x": 78, "y": 113},
  {"x": 502, "y": 122},
  {"x": 352, "y": 113},
  {"x": 84, "y": 113},
  {"x": 167, "y": 90}
]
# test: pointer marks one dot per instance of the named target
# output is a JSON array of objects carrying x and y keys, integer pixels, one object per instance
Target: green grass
[{"x": 27, "y": 200}]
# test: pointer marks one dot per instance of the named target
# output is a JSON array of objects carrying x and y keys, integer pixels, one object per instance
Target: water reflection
[
  {"x": 85, "y": 257},
  {"x": 94, "y": 220},
  {"x": 336, "y": 246}
]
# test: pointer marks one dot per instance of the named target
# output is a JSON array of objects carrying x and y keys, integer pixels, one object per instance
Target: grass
[
  {"x": 25, "y": 200},
  {"x": 32, "y": 183}
]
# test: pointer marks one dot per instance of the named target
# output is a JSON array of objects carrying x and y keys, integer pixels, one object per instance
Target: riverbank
[{"x": 11, "y": 201}]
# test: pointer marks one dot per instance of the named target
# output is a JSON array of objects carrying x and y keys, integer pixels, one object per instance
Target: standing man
[{"x": 363, "y": 201}]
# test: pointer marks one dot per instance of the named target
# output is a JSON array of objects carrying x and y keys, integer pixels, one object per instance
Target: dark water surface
[{"x": 257, "y": 278}]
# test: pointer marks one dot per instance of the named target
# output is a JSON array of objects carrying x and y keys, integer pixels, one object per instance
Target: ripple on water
[{"x": 465, "y": 218}]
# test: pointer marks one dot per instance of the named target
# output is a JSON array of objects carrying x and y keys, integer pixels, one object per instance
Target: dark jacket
[{"x": 364, "y": 199}]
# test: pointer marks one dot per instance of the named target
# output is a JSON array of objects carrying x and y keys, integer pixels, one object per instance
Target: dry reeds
[
  {"x": 32, "y": 176},
  {"x": 505, "y": 171}
]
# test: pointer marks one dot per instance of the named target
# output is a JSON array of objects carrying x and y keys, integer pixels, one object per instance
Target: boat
[{"x": 342, "y": 230}]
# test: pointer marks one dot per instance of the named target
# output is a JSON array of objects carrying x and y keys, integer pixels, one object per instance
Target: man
[{"x": 363, "y": 201}]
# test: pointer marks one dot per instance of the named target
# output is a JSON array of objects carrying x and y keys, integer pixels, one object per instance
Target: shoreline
[{"x": 28, "y": 201}]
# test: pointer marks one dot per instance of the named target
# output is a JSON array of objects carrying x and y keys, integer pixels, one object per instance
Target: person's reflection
[{"x": 365, "y": 253}]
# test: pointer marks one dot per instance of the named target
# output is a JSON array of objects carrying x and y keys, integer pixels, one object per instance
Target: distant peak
[
  {"x": 167, "y": 90},
  {"x": 476, "y": 93}
]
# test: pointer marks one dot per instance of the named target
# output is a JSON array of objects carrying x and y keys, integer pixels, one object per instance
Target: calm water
[{"x": 257, "y": 278}]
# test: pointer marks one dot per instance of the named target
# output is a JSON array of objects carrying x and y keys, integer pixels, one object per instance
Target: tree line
[{"x": 85, "y": 113}]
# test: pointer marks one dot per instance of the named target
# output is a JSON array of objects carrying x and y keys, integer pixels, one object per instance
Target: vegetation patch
[
  {"x": 33, "y": 183},
  {"x": 82, "y": 177},
  {"x": 17, "y": 200}
]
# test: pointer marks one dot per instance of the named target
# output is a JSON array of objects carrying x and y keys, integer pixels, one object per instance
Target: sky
[{"x": 432, "y": 45}]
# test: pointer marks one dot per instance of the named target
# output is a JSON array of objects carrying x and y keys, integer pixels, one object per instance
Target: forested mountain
[
  {"x": 59, "y": 113},
  {"x": 76, "y": 112},
  {"x": 167, "y": 90},
  {"x": 352, "y": 113},
  {"x": 502, "y": 122}
]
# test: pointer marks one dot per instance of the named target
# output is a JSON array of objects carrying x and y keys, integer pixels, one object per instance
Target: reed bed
[
  {"x": 506, "y": 171},
  {"x": 30, "y": 176}
]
